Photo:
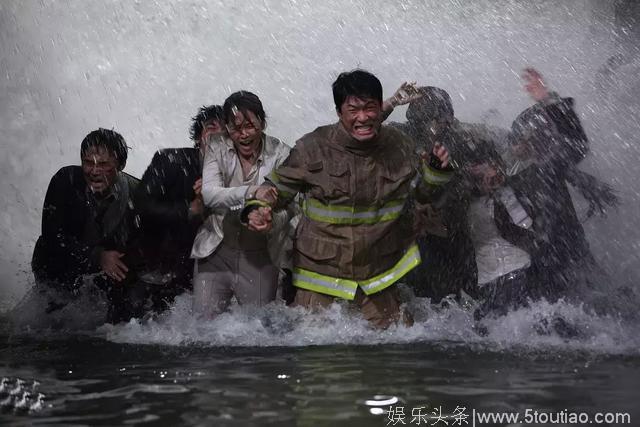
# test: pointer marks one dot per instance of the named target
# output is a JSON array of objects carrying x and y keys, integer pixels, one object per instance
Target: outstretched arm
[
  {"x": 573, "y": 144},
  {"x": 406, "y": 93}
]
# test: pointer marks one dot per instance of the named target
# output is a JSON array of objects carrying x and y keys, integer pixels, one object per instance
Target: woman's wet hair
[
  {"x": 359, "y": 83},
  {"x": 110, "y": 140},
  {"x": 243, "y": 101},
  {"x": 205, "y": 113}
]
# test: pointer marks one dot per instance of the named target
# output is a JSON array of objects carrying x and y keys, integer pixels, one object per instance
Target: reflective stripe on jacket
[
  {"x": 358, "y": 200},
  {"x": 345, "y": 288}
]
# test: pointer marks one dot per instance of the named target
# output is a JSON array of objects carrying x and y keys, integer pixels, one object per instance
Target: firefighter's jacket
[{"x": 358, "y": 200}]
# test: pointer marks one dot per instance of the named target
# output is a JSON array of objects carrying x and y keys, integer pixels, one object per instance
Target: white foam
[
  {"x": 16, "y": 396},
  {"x": 534, "y": 328}
]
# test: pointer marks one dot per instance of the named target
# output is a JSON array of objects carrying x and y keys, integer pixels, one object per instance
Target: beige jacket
[{"x": 220, "y": 161}]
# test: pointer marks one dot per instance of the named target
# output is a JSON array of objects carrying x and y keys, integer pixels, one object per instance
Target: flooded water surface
[{"x": 281, "y": 370}]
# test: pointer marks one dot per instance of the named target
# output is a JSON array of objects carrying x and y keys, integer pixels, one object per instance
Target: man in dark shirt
[
  {"x": 87, "y": 222},
  {"x": 444, "y": 240},
  {"x": 170, "y": 208},
  {"x": 548, "y": 140}
]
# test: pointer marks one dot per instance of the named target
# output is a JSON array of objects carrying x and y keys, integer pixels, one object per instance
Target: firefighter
[{"x": 360, "y": 183}]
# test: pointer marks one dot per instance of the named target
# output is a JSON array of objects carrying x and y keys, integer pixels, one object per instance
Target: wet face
[
  {"x": 361, "y": 117},
  {"x": 486, "y": 177},
  {"x": 521, "y": 150},
  {"x": 522, "y": 147},
  {"x": 428, "y": 119},
  {"x": 211, "y": 126},
  {"x": 246, "y": 133},
  {"x": 100, "y": 168},
  {"x": 440, "y": 126}
]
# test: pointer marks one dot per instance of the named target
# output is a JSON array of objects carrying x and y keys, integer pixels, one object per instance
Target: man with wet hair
[
  {"x": 501, "y": 231},
  {"x": 170, "y": 207},
  {"x": 444, "y": 240},
  {"x": 360, "y": 182},
  {"x": 206, "y": 122},
  {"x": 87, "y": 223},
  {"x": 547, "y": 142}
]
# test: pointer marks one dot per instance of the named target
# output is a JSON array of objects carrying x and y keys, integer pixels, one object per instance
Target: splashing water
[
  {"x": 158, "y": 61},
  {"x": 19, "y": 396},
  {"x": 560, "y": 325}
]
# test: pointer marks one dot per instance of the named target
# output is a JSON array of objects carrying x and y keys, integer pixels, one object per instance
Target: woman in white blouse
[{"x": 232, "y": 260}]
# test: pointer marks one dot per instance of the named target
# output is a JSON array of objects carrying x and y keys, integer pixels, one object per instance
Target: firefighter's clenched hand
[
  {"x": 267, "y": 194},
  {"x": 260, "y": 219},
  {"x": 441, "y": 152}
]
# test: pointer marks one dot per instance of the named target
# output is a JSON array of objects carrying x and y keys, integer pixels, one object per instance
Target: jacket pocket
[
  {"x": 331, "y": 180},
  {"x": 318, "y": 249},
  {"x": 394, "y": 184},
  {"x": 394, "y": 241}
]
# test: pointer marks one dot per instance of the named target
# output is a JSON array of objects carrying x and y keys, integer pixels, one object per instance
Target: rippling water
[{"x": 278, "y": 366}]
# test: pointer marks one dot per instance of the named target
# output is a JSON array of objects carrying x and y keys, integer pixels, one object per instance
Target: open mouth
[
  {"x": 363, "y": 130},
  {"x": 96, "y": 182},
  {"x": 97, "y": 187}
]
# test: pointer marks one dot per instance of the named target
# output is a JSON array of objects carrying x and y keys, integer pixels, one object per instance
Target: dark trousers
[
  {"x": 134, "y": 298},
  {"x": 503, "y": 294},
  {"x": 516, "y": 289}
]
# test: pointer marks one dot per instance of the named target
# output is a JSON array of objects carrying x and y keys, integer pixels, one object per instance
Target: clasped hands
[{"x": 260, "y": 219}]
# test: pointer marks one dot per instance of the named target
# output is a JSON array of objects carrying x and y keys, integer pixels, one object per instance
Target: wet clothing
[
  {"x": 509, "y": 275},
  {"x": 553, "y": 131},
  {"x": 451, "y": 267},
  {"x": 497, "y": 221},
  {"x": 239, "y": 236},
  {"x": 529, "y": 282},
  {"x": 249, "y": 275},
  {"x": 231, "y": 259},
  {"x": 380, "y": 309},
  {"x": 505, "y": 293},
  {"x": 600, "y": 195},
  {"x": 555, "y": 134},
  {"x": 556, "y": 242},
  {"x": 356, "y": 233},
  {"x": 162, "y": 201},
  {"x": 495, "y": 256},
  {"x": 461, "y": 143},
  {"x": 77, "y": 226},
  {"x": 220, "y": 165}
]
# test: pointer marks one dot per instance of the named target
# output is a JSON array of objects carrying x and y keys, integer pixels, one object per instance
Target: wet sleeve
[
  {"x": 289, "y": 178},
  {"x": 214, "y": 193},
  {"x": 431, "y": 181},
  {"x": 58, "y": 238},
  {"x": 150, "y": 195},
  {"x": 518, "y": 236},
  {"x": 600, "y": 195},
  {"x": 573, "y": 145}
]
